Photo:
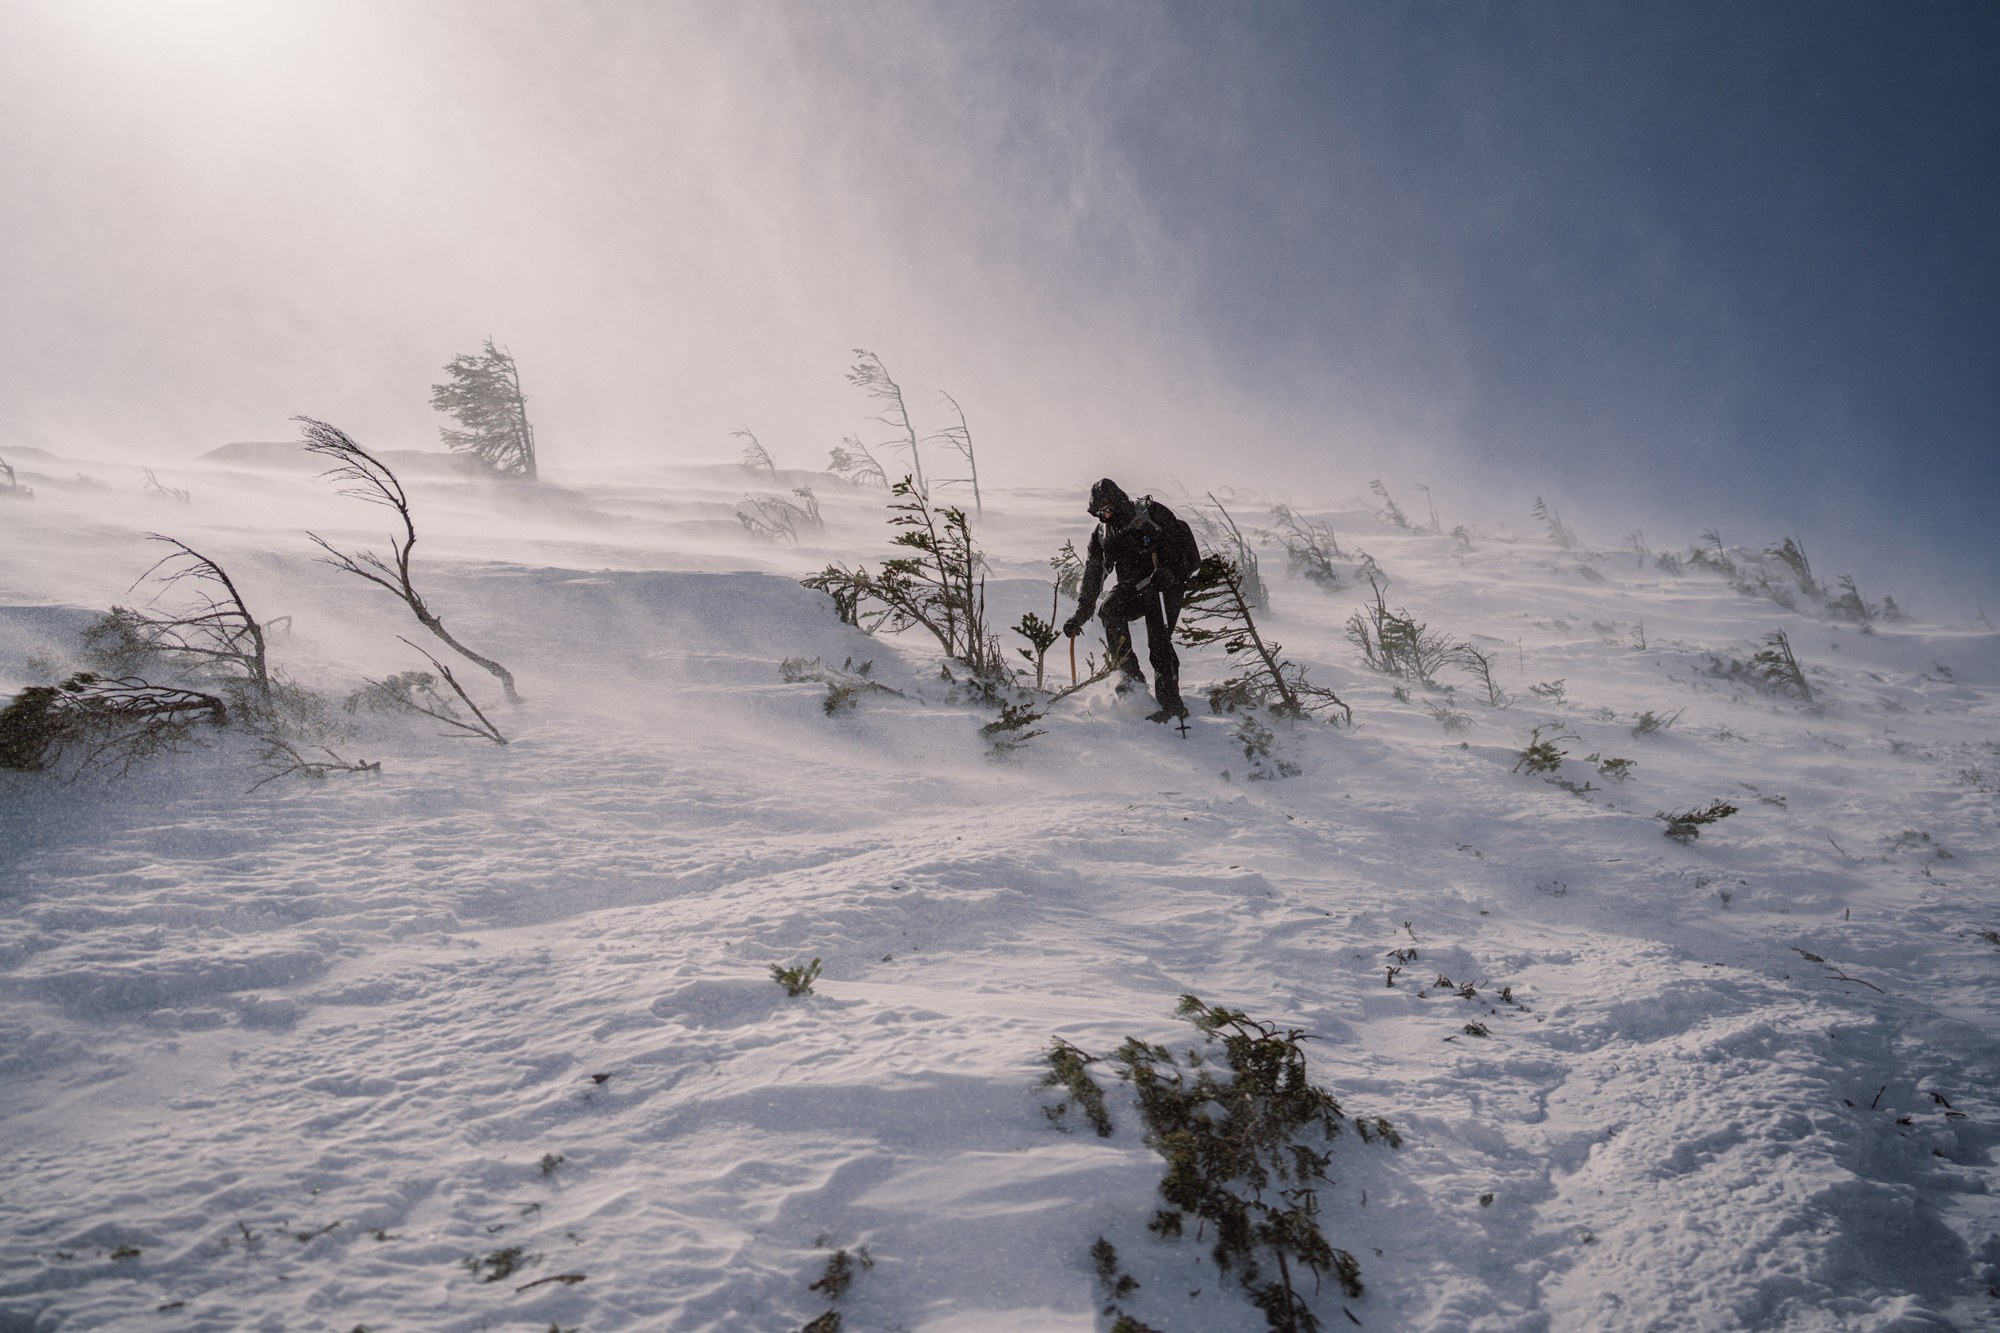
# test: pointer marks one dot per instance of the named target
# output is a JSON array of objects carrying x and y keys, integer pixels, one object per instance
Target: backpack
[{"x": 1170, "y": 535}]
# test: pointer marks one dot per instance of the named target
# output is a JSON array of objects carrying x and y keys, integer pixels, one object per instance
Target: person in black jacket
[{"x": 1153, "y": 554}]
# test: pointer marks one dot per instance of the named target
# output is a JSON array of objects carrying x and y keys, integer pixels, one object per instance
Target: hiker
[{"x": 1154, "y": 554}]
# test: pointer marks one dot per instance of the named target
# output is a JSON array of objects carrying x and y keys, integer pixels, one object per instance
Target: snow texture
[{"x": 327, "y": 1055}]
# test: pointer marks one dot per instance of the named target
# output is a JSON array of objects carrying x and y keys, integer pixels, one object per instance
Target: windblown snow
[{"x": 489, "y": 1039}]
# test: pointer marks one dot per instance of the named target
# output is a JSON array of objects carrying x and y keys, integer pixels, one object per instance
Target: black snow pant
[{"x": 1128, "y": 603}]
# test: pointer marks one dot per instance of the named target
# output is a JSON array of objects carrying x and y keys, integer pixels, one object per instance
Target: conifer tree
[{"x": 484, "y": 397}]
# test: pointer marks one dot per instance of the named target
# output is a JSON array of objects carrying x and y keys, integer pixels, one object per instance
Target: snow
[{"x": 304, "y": 1055}]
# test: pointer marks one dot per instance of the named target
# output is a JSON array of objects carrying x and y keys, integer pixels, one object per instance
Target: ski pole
[{"x": 1072, "y": 659}]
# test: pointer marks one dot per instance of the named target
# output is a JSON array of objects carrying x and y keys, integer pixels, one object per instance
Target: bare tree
[
  {"x": 851, "y": 460},
  {"x": 366, "y": 477},
  {"x": 869, "y": 375},
  {"x": 959, "y": 437},
  {"x": 216, "y": 628},
  {"x": 756, "y": 458}
]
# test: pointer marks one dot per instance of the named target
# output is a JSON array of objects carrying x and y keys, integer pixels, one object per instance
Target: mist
[{"x": 1704, "y": 268}]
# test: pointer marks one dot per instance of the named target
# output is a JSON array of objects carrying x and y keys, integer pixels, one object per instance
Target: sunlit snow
[{"x": 303, "y": 1056}]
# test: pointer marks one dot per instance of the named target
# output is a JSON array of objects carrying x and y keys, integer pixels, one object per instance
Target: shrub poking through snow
[
  {"x": 938, "y": 589},
  {"x": 1245, "y": 1150},
  {"x": 797, "y": 979},
  {"x": 1648, "y": 723},
  {"x": 845, "y": 684},
  {"x": 1773, "y": 669},
  {"x": 1390, "y": 512},
  {"x": 116, "y": 721},
  {"x": 777, "y": 519},
  {"x": 1013, "y": 729},
  {"x": 756, "y": 458},
  {"x": 1397, "y": 645},
  {"x": 1310, "y": 547},
  {"x": 1218, "y": 532},
  {"x": 1540, "y": 756},
  {"x": 1217, "y": 610},
  {"x": 1247, "y": 1139},
  {"x": 1066, "y": 1071},
  {"x": 500, "y": 1264},
  {"x": 1559, "y": 532},
  {"x": 1686, "y": 825},
  {"x": 1479, "y": 665}
]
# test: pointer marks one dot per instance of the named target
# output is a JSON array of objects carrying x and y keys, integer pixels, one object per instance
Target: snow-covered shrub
[
  {"x": 798, "y": 978},
  {"x": 1247, "y": 1138},
  {"x": 1685, "y": 826}
]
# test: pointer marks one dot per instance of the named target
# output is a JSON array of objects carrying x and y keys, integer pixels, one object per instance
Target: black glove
[
  {"x": 1073, "y": 626},
  {"x": 1165, "y": 579}
]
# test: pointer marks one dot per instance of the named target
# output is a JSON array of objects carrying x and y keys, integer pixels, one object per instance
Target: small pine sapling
[
  {"x": 1791, "y": 553},
  {"x": 851, "y": 461},
  {"x": 1311, "y": 548},
  {"x": 1219, "y": 532},
  {"x": 777, "y": 519},
  {"x": 798, "y": 978},
  {"x": 1851, "y": 605},
  {"x": 939, "y": 589},
  {"x": 845, "y": 684},
  {"x": 1686, "y": 825},
  {"x": 1247, "y": 1139},
  {"x": 756, "y": 458},
  {"x": 1559, "y": 532},
  {"x": 1390, "y": 512},
  {"x": 1394, "y": 643},
  {"x": 1479, "y": 665},
  {"x": 1217, "y": 610},
  {"x": 1650, "y": 723},
  {"x": 1009, "y": 733},
  {"x": 1778, "y": 670},
  {"x": 1541, "y": 756}
]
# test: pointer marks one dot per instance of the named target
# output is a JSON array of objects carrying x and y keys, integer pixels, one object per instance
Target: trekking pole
[{"x": 1072, "y": 659}]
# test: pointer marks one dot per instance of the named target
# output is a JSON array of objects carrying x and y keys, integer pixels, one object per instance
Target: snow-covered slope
[{"x": 309, "y": 1056}]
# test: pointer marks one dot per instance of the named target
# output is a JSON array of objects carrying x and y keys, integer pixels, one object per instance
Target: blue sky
[{"x": 1673, "y": 266}]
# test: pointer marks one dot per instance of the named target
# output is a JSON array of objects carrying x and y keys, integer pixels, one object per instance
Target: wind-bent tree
[
  {"x": 366, "y": 477},
  {"x": 216, "y": 629},
  {"x": 869, "y": 375},
  {"x": 484, "y": 397},
  {"x": 959, "y": 437}
]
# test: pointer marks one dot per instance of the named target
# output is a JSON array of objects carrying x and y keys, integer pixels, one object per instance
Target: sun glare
[{"x": 179, "y": 33}]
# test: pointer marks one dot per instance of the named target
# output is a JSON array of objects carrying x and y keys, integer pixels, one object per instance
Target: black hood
[{"x": 1108, "y": 492}]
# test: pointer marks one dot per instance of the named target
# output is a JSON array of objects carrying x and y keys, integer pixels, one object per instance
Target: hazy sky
[{"x": 1729, "y": 264}]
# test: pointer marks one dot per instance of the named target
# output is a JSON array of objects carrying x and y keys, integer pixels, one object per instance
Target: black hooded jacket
[{"x": 1140, "y": 537}]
